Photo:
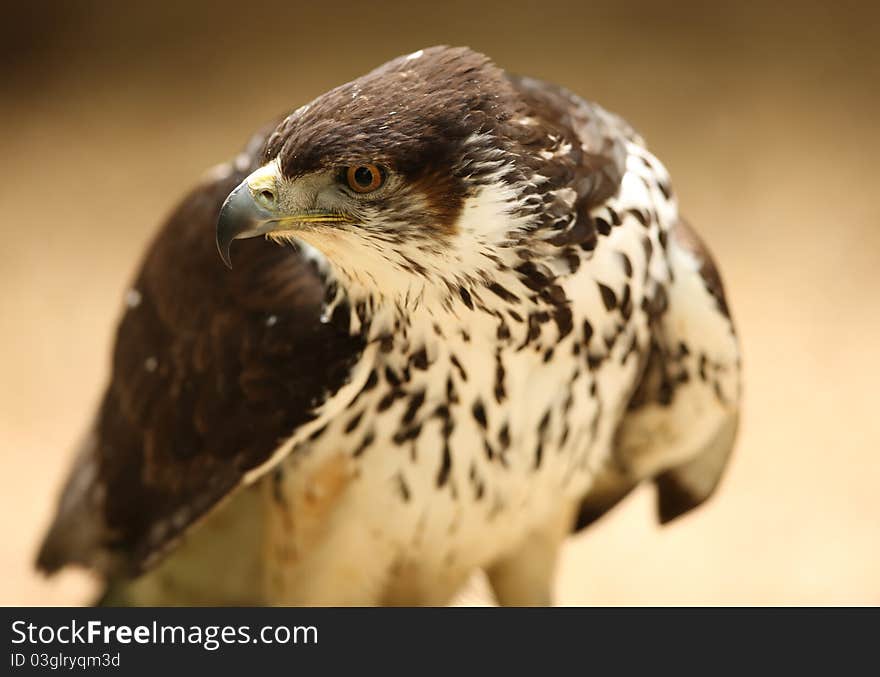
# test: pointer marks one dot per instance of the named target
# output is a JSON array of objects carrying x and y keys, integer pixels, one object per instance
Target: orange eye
[{"x": 364, "y": 178}]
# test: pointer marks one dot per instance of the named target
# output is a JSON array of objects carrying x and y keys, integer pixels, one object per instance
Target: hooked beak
[{"x": 243, "y": 215}]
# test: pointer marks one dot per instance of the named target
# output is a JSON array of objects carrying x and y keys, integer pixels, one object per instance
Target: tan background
[{"x": 766, "y": 117}]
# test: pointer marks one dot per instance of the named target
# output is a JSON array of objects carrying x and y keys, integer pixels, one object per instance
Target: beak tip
[{"x": 224, "y": 254}]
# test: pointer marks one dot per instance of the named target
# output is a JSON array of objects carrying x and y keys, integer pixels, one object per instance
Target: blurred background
[{"x": 766, "y": 116}]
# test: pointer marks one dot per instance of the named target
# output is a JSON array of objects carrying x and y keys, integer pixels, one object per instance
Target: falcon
[{"x": 430, "y": 323}]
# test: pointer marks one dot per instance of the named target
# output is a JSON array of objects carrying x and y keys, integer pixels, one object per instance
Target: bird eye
[{"x": 364, "y": 178}]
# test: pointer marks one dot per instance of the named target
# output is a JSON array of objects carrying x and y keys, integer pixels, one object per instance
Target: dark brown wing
[{"x": 212, "y": 368}]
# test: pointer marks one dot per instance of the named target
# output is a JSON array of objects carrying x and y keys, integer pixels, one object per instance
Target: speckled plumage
[{"x": 495, "y": 347}]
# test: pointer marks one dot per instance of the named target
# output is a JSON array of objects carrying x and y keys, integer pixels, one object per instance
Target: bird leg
[{"x": 524, "y": 576}]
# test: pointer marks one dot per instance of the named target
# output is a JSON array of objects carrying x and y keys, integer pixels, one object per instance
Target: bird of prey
[{"x": 475, "y": 322}]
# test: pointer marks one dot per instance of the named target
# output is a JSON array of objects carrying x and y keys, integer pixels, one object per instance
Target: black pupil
[{"x": 363, "y": 176}]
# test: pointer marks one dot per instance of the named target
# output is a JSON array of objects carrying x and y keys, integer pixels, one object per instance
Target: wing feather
[
  {"x": 211, "y": 370},
  {"x": 681, "y": 423}
]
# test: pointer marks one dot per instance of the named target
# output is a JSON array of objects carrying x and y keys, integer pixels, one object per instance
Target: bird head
[{"x": 405, "y": 174}]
